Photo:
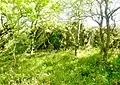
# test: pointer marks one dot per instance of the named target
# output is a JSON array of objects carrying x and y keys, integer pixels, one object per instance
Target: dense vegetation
[{"x": 47, "y": 42}]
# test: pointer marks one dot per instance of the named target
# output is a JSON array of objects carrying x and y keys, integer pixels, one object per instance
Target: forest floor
[{"x": 59, "y": 68}]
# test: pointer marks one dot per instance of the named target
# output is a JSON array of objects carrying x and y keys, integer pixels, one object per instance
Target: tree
[
  {"x": 19, "y": 20},
  {"x": 101, "y": 12},
  {"x": 74, "y": 13}
]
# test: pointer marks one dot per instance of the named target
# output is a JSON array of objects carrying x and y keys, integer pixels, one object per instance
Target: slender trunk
[
  {"x": 14, "y": 50},
  {"x": 108, "y": 38},
  {"x": 101, "y": 40},
  {"x": 77, "y": 38},
  {"x": 75, "y": 50},
  {"x": 81, "y": 35},
  {"x": 108, "y": 30}
]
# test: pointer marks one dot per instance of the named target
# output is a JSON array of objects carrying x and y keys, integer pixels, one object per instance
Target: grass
[{"x": 59, "y": 68}]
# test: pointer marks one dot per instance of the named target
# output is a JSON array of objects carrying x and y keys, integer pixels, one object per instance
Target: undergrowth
[{"x": 58, "y": 68}]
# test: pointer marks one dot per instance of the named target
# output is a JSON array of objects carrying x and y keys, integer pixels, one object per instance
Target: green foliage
[
  {"x": 20, "y": 42},
  {"x": 55, "y": 39},
  {"x": 32, "y": 25},
  {"x": 23, "y": 18}
]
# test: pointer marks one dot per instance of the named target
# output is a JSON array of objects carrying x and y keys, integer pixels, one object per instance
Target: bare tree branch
[{"x": 113, "y": 11}]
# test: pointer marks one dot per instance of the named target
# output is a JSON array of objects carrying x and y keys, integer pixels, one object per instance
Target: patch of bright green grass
[{"x": 58, "y": 68}]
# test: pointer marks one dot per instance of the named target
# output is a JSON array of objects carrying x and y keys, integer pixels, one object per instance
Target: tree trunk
[
  {"x": 108, "y": 40},
  {"x": 75, "y": 50},
  {"x": 77, "y": 38},
  {"x": 101, "y": 40},
  {"x": 107, "y": 18}
]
